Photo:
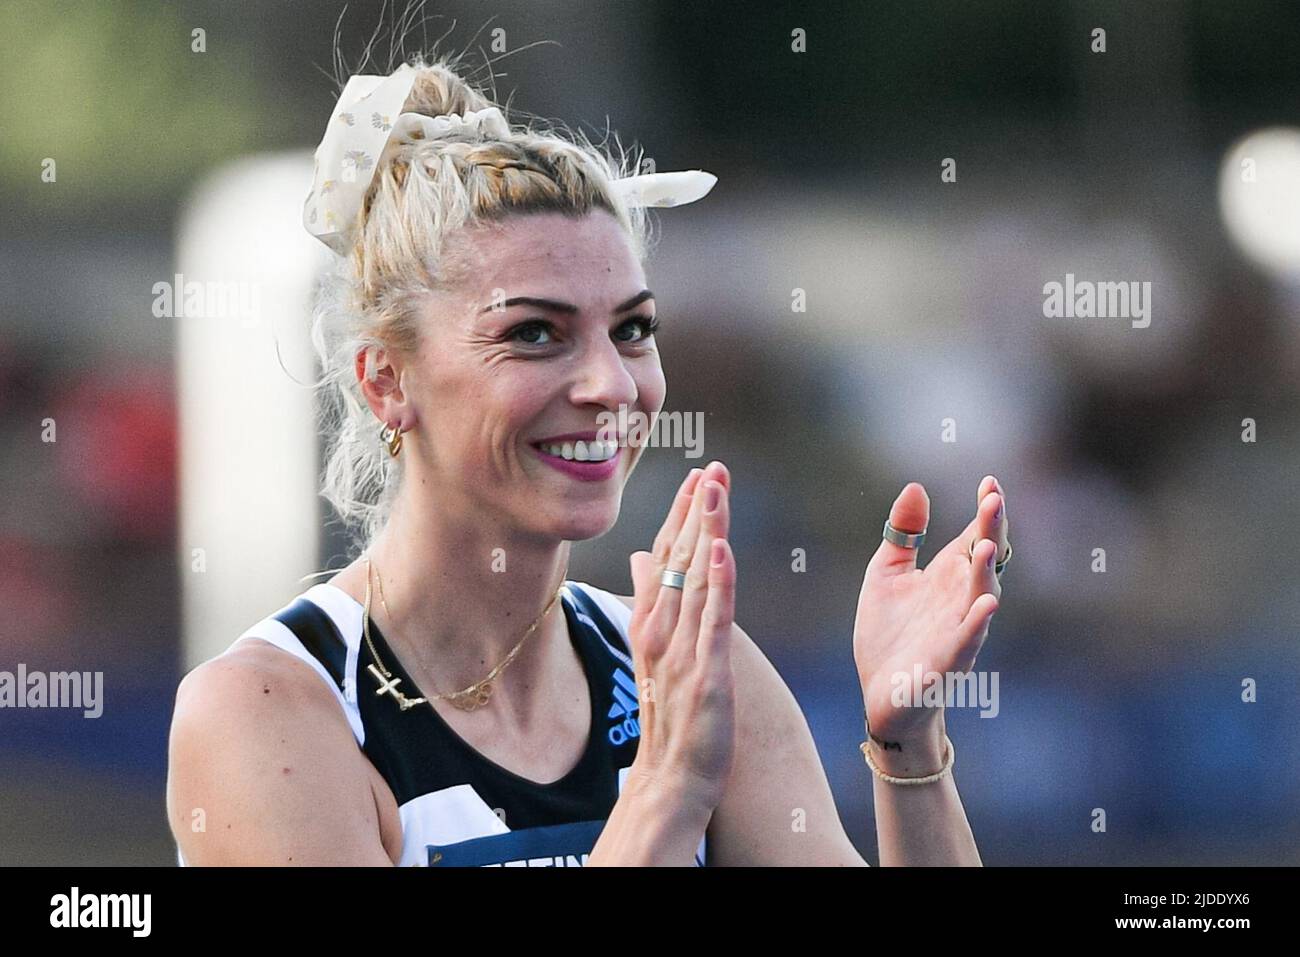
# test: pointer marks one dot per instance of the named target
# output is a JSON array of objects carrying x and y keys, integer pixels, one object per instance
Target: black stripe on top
[
  {"x": 606, "y": 627},
  {"x": 319, "y": 635}
]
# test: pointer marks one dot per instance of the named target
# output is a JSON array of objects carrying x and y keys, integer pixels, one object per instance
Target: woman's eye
[
  {"x": 535, "y": 331},
  {"x": 648, "y": 327},
  {"x": 529, "y": 327}
]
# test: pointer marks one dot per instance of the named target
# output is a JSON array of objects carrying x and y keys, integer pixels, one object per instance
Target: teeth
[{"x": 580, "y": 451}]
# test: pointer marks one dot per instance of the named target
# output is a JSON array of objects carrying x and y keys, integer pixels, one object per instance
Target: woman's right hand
[{"x": 681, "y": 647}]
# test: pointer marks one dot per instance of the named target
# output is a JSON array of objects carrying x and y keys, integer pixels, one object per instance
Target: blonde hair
[{"x": 415, "y": 205}]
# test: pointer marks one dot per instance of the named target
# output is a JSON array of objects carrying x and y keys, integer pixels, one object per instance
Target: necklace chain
[{"x": 467, "y": 699}]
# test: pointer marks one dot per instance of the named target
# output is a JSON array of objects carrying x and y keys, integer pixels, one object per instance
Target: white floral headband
[{"x": 366, "y": 126}]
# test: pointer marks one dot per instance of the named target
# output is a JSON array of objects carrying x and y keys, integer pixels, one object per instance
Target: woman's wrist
[
  {"x": 671, "y": 793},
  {"x": 916, "y": 753},
  {"x": 654, "y": 822}
]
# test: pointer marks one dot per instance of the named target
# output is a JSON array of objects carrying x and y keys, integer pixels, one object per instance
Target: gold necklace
[{"x": 475, "y": 696}]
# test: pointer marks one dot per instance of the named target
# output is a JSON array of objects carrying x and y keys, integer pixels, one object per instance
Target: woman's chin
[{"x": 589, "y": 521}]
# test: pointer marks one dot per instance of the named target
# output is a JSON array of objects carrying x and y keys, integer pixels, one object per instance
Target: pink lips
[{"x": 583, "y": 471}]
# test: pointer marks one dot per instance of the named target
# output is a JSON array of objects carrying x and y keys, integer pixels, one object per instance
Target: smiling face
[{"x": 495, "y": 376}]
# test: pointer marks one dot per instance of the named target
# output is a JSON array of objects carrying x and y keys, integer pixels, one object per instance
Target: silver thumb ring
[
  {"x": 672, "y": 579},
  {"x": 902, "y": 539}
]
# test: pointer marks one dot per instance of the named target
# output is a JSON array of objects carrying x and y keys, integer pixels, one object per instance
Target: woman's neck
[{"x": 460, "y": 595}]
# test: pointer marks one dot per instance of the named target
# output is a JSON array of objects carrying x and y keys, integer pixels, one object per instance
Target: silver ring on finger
[
  {"x": 672, "y": 579},
  {"x": 997, "y": 566},
  {"x": 903, "y": 539}
]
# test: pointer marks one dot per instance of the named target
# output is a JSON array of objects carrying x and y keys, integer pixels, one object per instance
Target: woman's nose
[{"x": 603, "y": 378}]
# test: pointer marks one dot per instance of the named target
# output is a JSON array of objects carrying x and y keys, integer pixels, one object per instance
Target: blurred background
[{"x": 845, "y": 319}]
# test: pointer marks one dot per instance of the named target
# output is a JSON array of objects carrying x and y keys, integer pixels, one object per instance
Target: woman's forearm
[{"x": 923, "y": 824}]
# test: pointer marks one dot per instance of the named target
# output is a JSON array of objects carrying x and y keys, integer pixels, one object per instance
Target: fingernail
[
  {"x": 711, "y": 492},
  {"x": 717, "y": 554},
  {"x": 991, "y": 554},
  {"x": 997, "y": 517}
]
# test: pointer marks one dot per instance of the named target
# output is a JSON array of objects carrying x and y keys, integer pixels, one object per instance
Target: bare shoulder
[
  {"x": 778, "y": 809},
  {"x": 253, "y": 689},
  {"x": 254, "y": 673},
  {"x": 263, "y": 767}
]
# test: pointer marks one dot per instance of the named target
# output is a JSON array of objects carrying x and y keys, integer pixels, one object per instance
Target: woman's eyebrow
[{"x": 568, "y": 307}]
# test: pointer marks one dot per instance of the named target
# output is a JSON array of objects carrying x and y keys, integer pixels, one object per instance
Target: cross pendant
[{"x": 388, "y": 686}]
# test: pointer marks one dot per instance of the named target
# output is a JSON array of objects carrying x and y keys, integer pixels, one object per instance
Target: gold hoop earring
[{"x": 391, "y": 436}]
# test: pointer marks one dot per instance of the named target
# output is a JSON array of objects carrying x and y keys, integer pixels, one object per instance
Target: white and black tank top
[{"x": 457, "y": 807}]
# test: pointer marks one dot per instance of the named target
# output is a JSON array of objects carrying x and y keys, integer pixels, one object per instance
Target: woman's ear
[{"x": 380, "y": 374}]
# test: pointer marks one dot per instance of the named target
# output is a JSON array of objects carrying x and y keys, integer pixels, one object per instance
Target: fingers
[
  {"x": 643, "y": 584},
  {"x": 974, "y": 628},
  {"x": 715, "y": 520},
  {"x": 983, "y": 576},
  {"x": 991, "y": 514},
  {"x": 909, "y": 514},
  {"x": 713, "y": 647},
  {"x": 672, "y": 526},
  {"x": 677, "y": 553},
  {"x": 648, "y": 592},
  {"x": 990, "y": 531}
]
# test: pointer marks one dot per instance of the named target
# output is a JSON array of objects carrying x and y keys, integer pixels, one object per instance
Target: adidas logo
[
  {"x": 625, "y": 706},
  {"x": 625, "y": 699}
]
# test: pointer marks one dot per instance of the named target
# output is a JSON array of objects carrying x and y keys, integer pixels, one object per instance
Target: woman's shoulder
[
  {"x": 252, "y": 673},
  {"x": 301, "y": 649},
  {"x": 257, "y": 741}
]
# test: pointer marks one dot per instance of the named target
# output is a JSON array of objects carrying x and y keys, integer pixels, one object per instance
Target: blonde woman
[{"x": 450, "y": 698}]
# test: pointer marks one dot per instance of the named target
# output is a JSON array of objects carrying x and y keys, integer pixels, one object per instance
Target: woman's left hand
[{"x": 936, "y": 618}]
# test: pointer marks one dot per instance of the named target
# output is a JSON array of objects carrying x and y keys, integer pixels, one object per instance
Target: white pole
[{"x": 250, "y": 514}]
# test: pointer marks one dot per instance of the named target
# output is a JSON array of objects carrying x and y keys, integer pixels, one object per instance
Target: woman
[{"x": 490, "y": 310}]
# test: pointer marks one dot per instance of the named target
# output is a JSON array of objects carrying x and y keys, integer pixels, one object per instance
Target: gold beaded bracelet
[{"x": 927, "y": 779}]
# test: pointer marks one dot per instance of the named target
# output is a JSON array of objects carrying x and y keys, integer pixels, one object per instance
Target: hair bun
[{"x": 440, "y": 91}]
